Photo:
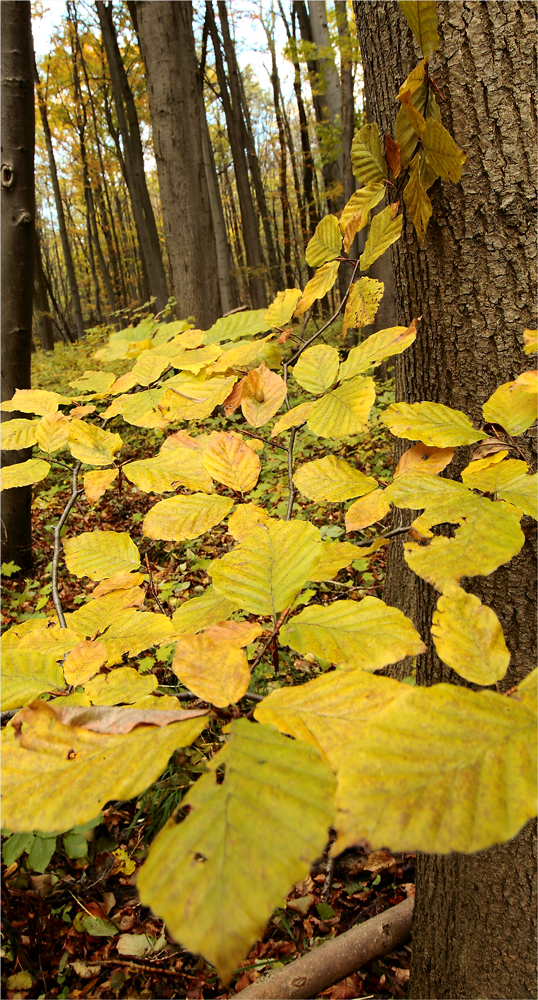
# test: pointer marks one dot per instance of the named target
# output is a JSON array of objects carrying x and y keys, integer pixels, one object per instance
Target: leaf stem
[{"x": 57, "y": 538}]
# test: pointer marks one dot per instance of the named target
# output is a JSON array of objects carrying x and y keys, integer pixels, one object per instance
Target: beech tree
[{"x": 474, "y": 284}]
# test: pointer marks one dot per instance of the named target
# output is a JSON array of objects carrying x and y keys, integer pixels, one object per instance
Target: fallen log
[{"x": 334, "y": 960}]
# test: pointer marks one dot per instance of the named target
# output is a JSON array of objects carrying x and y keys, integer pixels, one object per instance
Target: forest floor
[{"x": 72, "y": 922}]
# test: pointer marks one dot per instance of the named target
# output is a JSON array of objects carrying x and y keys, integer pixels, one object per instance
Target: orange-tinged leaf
[
  {"x": 425, "y": 459},
  {"x": 216, "y": 671},
  {"x": 179, "y": 518},
  {"x": 441, "y": 151},
  {"x": 318, "y": 286},
  {"x": 363, "y": 303},
  {"x": 262, "y": 395},
  {"x": 404, "y": 133},
  {"x": 96, "y": 483},
  {"x": 361, "y": 203},
  {"x": 233, "y": 401},
  {"x": 393, "y": 156},
  {"x": 352, "y": 228},
  {"x": 52, "y": 432},
  {"x": 122, "y": 384},
  {"x": 415, "y": 118},
  {"x": 238, "y": 633},
  {"x": 326, "y": 242},
  {"x": 24, "y": 473},
  {"x": 91, "y": 445},
  {"x": 83, "y": 661},
  {"x": 230, "y": 461},
  {"x": 124, "y": 580},
  {"x": 367, "y": 510},
  {"x": 100, "y": 554}
]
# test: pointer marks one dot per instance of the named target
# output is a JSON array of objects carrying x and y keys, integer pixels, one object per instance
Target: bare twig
[
  {"x": 153, "y": 589},
  {"x": 388, "y": 534},
  {"x": 290, "y": 473},
  {"x": 57, "y": 539},
  {"x": 326, "y": 326},
  {"x": 273, "y": 635}
]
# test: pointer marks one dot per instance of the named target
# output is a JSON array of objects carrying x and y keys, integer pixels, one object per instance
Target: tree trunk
[
  {"x": 346, "y": 88},
  {"x": 41, "y": 300},
  {"x": 308, "y": 163},
  {"x": 134, "y": 160},
  {"x": 283, "y": 165},
  {"x": 171, "y": 73},
  {"x": 18, "y": 223},
  {"x": 66, "y": 249},
  {"x": 474, "y": 285}
]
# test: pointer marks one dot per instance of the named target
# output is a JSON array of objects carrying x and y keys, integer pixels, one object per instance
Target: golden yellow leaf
[
  {"x": 414, "y": 80},
  {"x": 121, "y": 629},
  {"x": 404, "y": 133},
  {"x": 367, "y": 510},
  {"x": 344, "y": 410},
  {"x": 122, "y": 384},
  {"x": 141, "y": 409},
  {"x": 34, "y": 401},
  {"x": 362, "y": 304},
  {"x": 416, "y": 198},
  {"x": 334, "y": 557},
  {"x": 512, "y": 405},
  {"x": 361, "y": 203},
  {"x": 293, "y": 418},
  {"x": 52, "y": 432},
  {"x": 530, "y": 339},
  {"x": 16, "y": 434},
  {"x": 149, "y": 367},
  {"x": 171, "y": 468},
  {"x": 441, "y": 152},
  {"x": 385, "y": 229},
  {"x": 216, "y": 671},
  {"x": 333, "y": 479},
  {"x": 262, "y": 395},
  {"x": 431, "y": 423},
  {"x": 83, "y": 661},
  {"x": 240, "y": 356},
  {"x": 415, "y": 118},
  {"x": 91, "y": 445},
  {"x": 201, "y": 612},
  {"x": 122, "y": 581},
  {"x": 376, "y": 348},
  {"x": 194, "y": 360},
  {"x": 283, "y": 307},
  {"x": 230, "y": 461},
  {"x": 27, "y": 673},
  {"x": 367, "y": 158},
  {"x": 424, "y": 459},
  {"x": 468, "y": 637},
  {"x": 326, "y": 242},
  {"x": 318, "y": 286},
  {"x": 241, "y": 324},
  {"x": 123, "y": 685},
  {"x": 96, "y": 483},
  {"x": 237, "y": 633},
  {"x": 245, "y": 517},
  {"x": 317, "y": 368},
  {"x": 24, "y": 473},
  {"x": 86, "y": 769},
  {"x": 421, "y": 16},
  {"x": 49, "y": 639},
  {"x": 94, "y": 381},
  {"x": 100, "y": 554},
  {"x": 183, "y": 517},
  {"x": 509, "y": 480}
]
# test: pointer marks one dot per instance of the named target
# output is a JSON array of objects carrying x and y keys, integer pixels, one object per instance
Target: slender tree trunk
[
  {"x": 474, "y": 285},
  {"x": 41, "y": 301},
  {"x": 346, "y": 89},
  {"x": 134, "y": 159},
  {"x": 66, "y": 249},
  {"x": 171, "y": 71},
  {"x": 18, "y": 223},
  {"x": 283, "y": 165}
]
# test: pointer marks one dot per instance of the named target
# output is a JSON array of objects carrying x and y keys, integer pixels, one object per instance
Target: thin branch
[
  {"x": 290, "y": 473},
  {"x": 328, "y": 323},
  {"x": 388, "y": 534},
  {"x": 268, "y": 641},
  {"x": 57, "y": 538},
  {"x": 154, "y": 590}
]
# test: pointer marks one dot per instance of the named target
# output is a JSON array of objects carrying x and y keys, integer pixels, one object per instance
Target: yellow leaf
[
  {"x": 149, "y": 367},
  {"x": 245, "y": 517},
  {"x": 508, "y": 480},
  {"x": 83, "y": 661},
  {"x": 216, "y": 671},
  {"x": 385, "y": 229},
  {"x": 404, "y": 133},
  {"x": 441, "y": 151},
  {"x": 318, "y": 286},
  {"x": 362, "y": 304},
  {"x": 421, "y": 16},
  {"x": 26, "y": 674},
  {"x": 334, "y": 557},
  {"x": 262, "y": 395},
  {"x": 317, "y": 368},
  {"x": 468, "y": 637},
  {"x": 17, "y": 434},
  {"x": 414, "y": 80},
  {"x": 141, "y": 409},
  {"x": 91, "y": 445},
  {"x": 431, "y": 423},
  {"x": 282, "y": 309},
  {"x": 168, "y": 470},
  {"x": 216, "y": 877},
  {"x": 202, "y": 612},
  {"x": 49, "y": 639},
  {"x": 122, "y": 384},
  {"x": 120, "y": 628},
  {"x": 293, "y": 418},
  {"x": 236, "y": 633},
  {"x": 96, "y": 483},
  {"x": 241, "y": 324},
  {"x": 34, "y": 401},
  {"x": 367, "y": 158},
  {"x": 443, "y": 500},
  {"x": 240, "y": 356},
  {"x": 333, "y": 479},
  {"x": 440, "y": 769},
  {"x": 197, "y": 400},
  {"x": 488, "y": 537},
  {"x": 194, "y": 360},
  {"x": 86, "y": 769},
  {"x": 179, "y": 518},
  {"x": 361, "y": 203},
  {"x": 326, "y": 243},
  {"x": 416, "y": 198},
  {"x": 24, "y": 473},
  {"x": 124, "y": 685},
  {"x": 122, "y": 581},
  {"x": 530, "y": 339},
  {"x": 96, "y": 381},
  {"x": 100, "y": 554},
  {"x": 424, "y": 460},
  {"x": 512, "y": 405},
  {"x": 416, "y": 119},
  {"x": 230, "y": 461},
  {"x": 343, "y": 411},
  {"x": 376, "y": 348},
  {"x": 527, "y": 691},
  {"x": 367, "y": 510},
  {"x": 330, "y": 711},
  {"x": 258, "y": 574},
  {"x": 366, "y": 634},
  {"x": 52, "y": 432}
]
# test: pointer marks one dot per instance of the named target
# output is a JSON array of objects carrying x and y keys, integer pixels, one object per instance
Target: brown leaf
[
  {"x": 232, "y": 401},
  {"x": 284, "y": 336},
  {"x": 345, "y": 990},
  {"x": 107, "y": 720},
  {"x": 392, "y": 152},
  {"x": 378, "y": 861},
  {"x": 351, "y": 230},
  {"x": 488, "y": 447}
]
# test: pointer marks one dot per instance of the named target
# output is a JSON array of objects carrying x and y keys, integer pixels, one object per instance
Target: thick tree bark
[
  {"x": 134, "y": 159},
  {"x": 474, "y": 285},
  {"x": 18, "y": 223},
  {"x": 66, "y": 249},
  {"x": 168, "y": 50}
]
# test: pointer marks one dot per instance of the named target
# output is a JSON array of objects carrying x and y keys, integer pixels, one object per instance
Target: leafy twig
[{"x": 57, "y": 538}]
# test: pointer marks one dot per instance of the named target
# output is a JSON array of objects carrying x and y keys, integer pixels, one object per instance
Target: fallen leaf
[{"x": 114, "y": 719}]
